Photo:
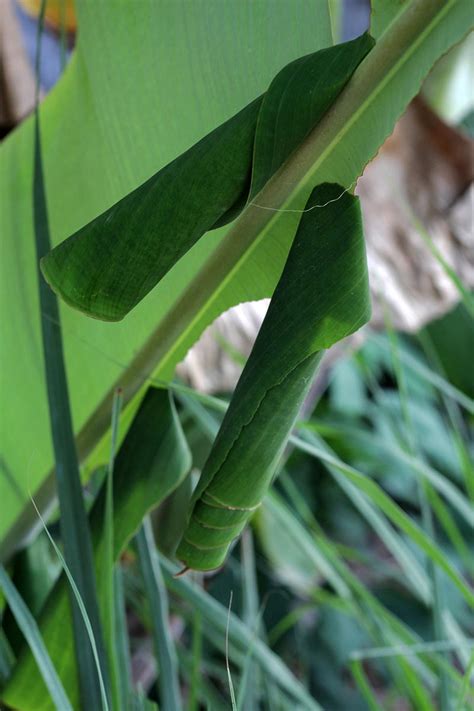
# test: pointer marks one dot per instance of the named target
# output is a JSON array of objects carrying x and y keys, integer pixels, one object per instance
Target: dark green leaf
[
  {"x": 321, "y": 297},
  {"x": 109, "y": 265}
]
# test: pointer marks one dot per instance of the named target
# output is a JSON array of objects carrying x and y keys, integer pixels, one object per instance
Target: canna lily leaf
[
  {"x": 86, "y": 119},
  {"x": 108, "y": 125},
  {"x": 322, "y": 296},
  {"x": 152, "y": 461},
  {"x": 111, "y": 264}
]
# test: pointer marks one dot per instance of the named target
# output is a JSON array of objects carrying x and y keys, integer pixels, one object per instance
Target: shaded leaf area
[
  {"x": 108, "y": 266},
  {"x": 322, "y": 297},
  {"x": 152, "y": 461}
]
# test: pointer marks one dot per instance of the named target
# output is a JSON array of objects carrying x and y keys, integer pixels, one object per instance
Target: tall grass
[{"x": 75, "y": 532}]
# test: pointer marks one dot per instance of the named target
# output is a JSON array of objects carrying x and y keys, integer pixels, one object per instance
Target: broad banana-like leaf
[
  {"x": 152, "y": 461},
  {"x": 108, "y": 126},
  {"x": 108, "y": 266},
  {"x": 142, "y": 86},
  {"x": 322, "y": 296}
]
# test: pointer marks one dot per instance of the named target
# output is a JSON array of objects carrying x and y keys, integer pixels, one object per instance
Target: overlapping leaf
[
  {"x": 322, "y": 296},
  {"x": 112, "y": 145},
  {"x": 108, "y": 266},
  {"x": 108, "y": 125},
  {"x": 152, "y": 461}
]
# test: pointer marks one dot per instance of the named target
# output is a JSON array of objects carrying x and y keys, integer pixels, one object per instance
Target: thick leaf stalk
[
  {"x": 112, "y": 263},
  {"x": 322, "y": 296}
]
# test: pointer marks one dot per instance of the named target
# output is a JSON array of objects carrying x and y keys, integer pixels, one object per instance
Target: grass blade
[
  {"x": 108, "y": 598},
  {"x": 157, "y": 596},
  {"x": 391, "y": 509},
  {"x": 7, "y": 658},
  {"x": 194, "y": 691},
  {"x": 248, "y": 688},
  {"x": 423, "y": 498},
  {"x": 429, "y": 375},
  {"x": 30, "y": 630},
  {"x": 73, "y": 520},
  {"x": 463, "y": 291},
  {"x": 227, "y": 665},
  {"x": 122, "y": 650},
  {"x": 362, "y": 682},
  {"x": 83, "y": 612},
  {"x": 467, "y": 685}
]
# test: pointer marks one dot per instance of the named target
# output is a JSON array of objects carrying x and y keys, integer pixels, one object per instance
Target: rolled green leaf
[
  {"x": 110, "y": 264},
  {"x": 322, "y": 296}
]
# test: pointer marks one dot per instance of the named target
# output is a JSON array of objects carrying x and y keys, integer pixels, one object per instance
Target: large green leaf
[
  {"x": 248, "y": 262},
  {"x": 108, "y": 266},
  {"x": 245, "y": 264},
  {"x": 153, "y": 460},
  {"x": 322, "y": 296},
  {"x": 146, "y": 81}
]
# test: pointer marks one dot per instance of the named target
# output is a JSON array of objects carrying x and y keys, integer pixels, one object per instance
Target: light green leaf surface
[
  {"x": 152, "y": 461},
  {"x": 247, "y": 262},
  {"x": 146, "y": 81},
  {"x": 383, "y": 13},
  {"x": 322, "y": 296}
]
